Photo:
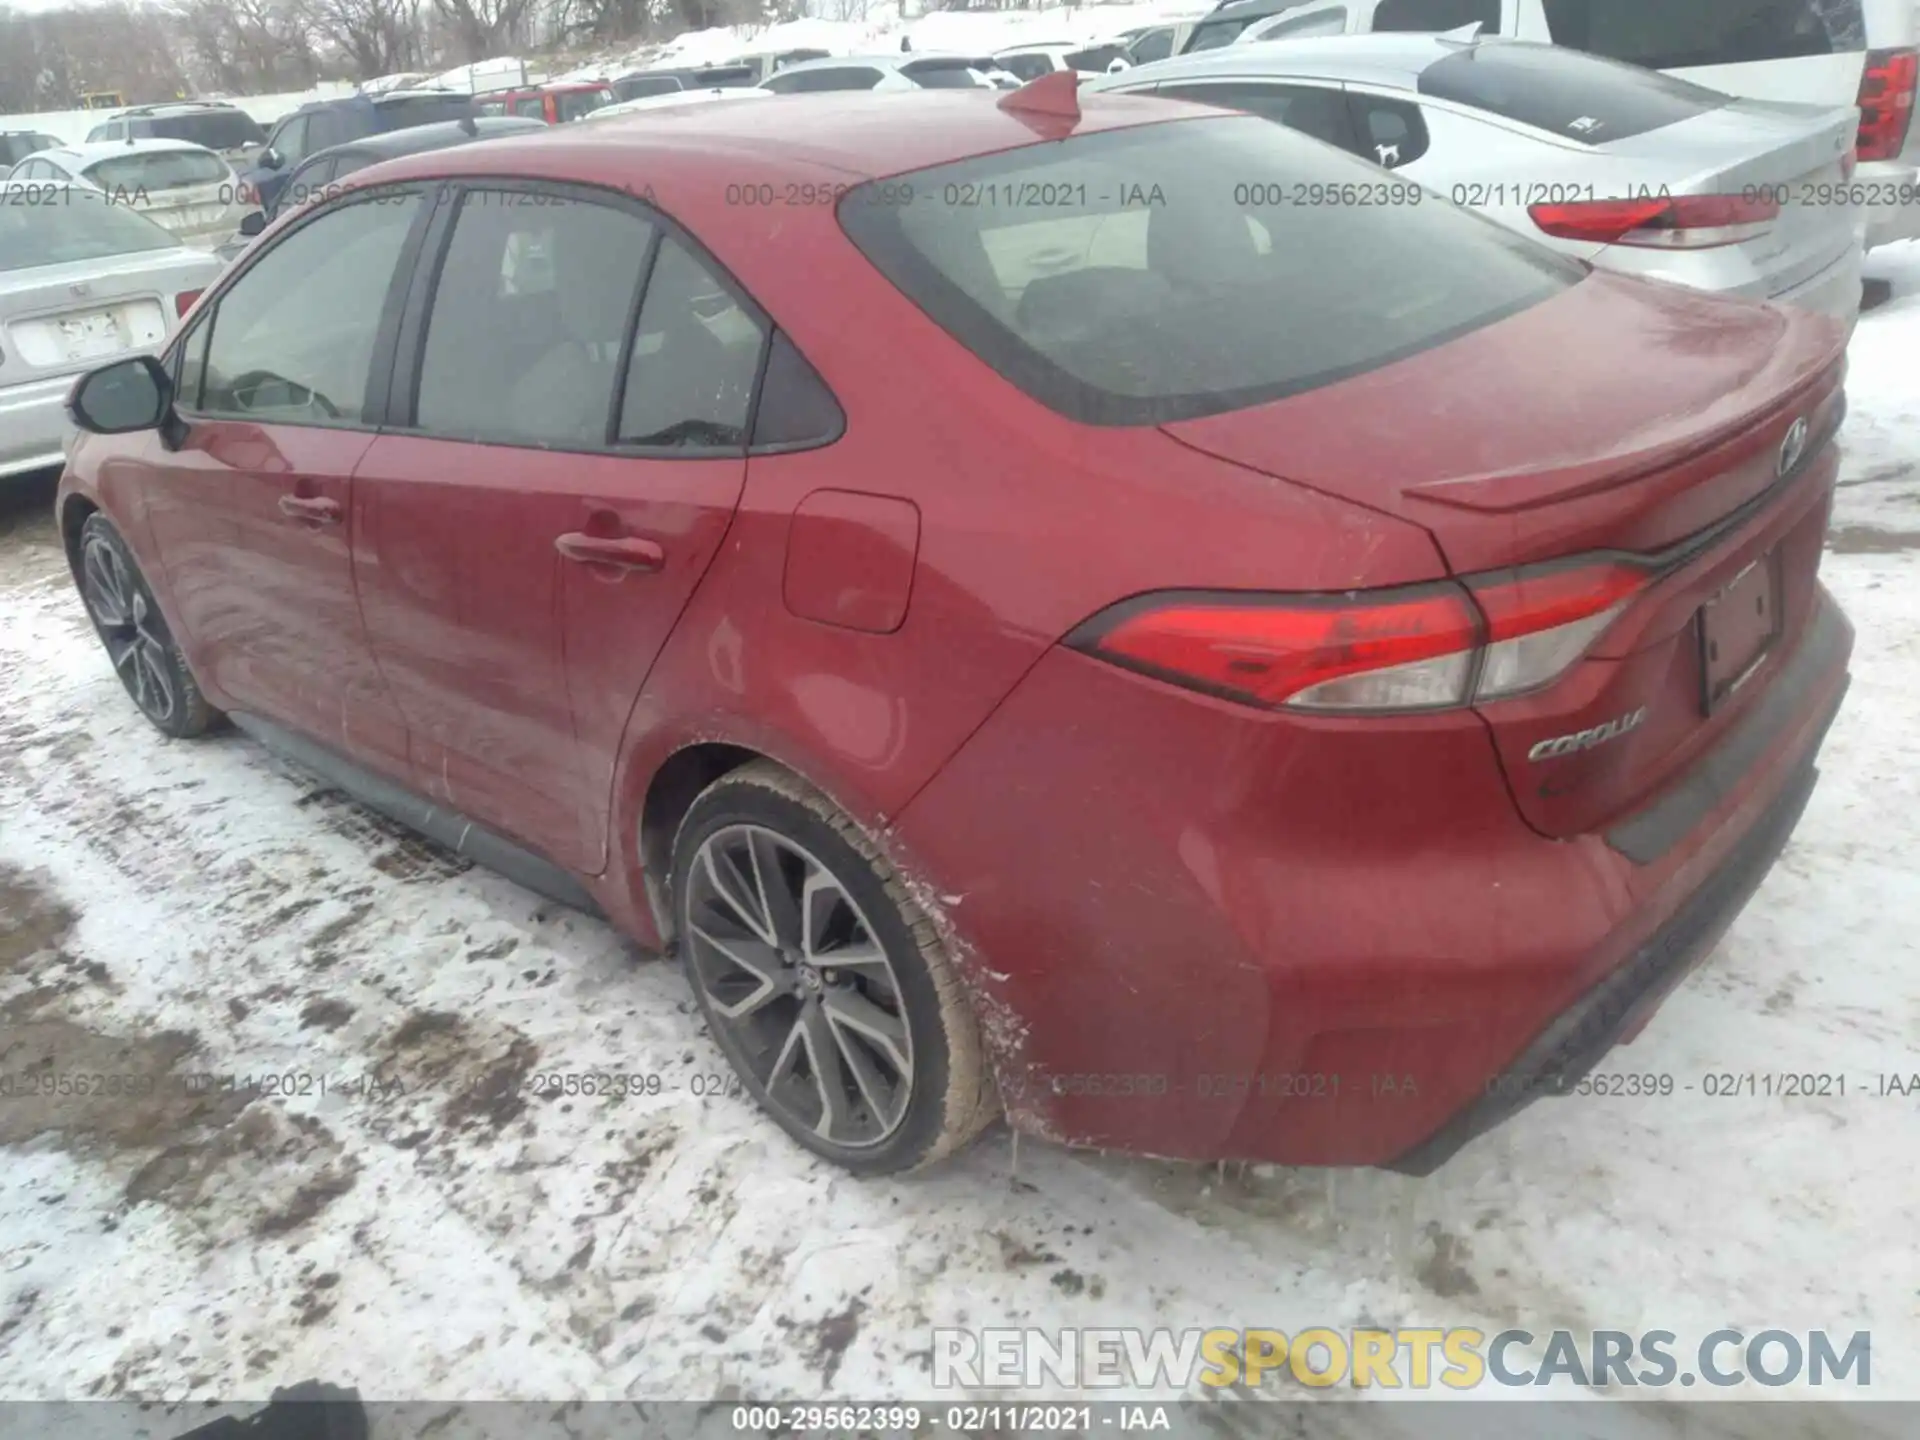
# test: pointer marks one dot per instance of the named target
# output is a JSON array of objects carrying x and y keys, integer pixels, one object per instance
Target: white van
[{"x": 1816, "y": 52}]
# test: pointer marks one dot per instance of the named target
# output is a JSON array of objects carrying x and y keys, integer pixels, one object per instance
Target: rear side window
[
  {"x": 1154, "y": 45},
  {"x": 531, "y": 106},
  {"x": 109, "y": 131},
  {"x": 1319, "y": 113},
  {"x": 1392, "y": 132},
  {"x": 695, "y": 355},
  {"x": 1215, "y": 33},
  {"x": 1166, "y": 286},
  {"x": 219, "y": 130},
  {"x": 158, "y": 170},
  {"x": 1440, "y": 14},
  {"x": 1577, "y": 97},
  {"x": 1668, "y": 35},
  {"x": 1026, "y": 67}
]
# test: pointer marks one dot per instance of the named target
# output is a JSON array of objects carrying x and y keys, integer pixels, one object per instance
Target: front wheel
[
  {"x": 144, "y": 653},
  {"x": 826, "y": 986}
]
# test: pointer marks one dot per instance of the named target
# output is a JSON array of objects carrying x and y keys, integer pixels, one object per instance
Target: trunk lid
[
  {"x": 1794, "y": 154},
  {"x": 1621, "y": 416},
  {"x": 63, "y": 319}
]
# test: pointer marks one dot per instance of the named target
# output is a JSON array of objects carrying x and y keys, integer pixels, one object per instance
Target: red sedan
[{"x": 1031, "y": 619}]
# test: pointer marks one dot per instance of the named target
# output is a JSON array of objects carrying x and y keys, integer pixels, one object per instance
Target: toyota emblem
[{"x": 1793, "y": 447}]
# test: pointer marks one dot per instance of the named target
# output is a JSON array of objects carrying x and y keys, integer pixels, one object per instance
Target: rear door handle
[
  {"x": 629, "y": 552},
  {"x": 316, "y": 508}
]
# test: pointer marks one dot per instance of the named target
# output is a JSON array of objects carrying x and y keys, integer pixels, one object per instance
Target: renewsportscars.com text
[{"x": 1461, "y": 1358}]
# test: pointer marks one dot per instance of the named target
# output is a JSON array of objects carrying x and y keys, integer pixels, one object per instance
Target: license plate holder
[{"x": 1738, "y": 628}]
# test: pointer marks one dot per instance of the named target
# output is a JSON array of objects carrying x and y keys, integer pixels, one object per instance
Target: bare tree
[
  {"x": 377, "y": 37},
  {"x": 483, "y": 28}
]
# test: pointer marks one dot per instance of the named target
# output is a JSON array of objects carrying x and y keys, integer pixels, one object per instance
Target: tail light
[
  {"x": 1425, "y": 647},
  {"x": 1677, "y": 222},
  {"x": 183, "y": 302},
  {"x": 1886, "y": 102}
]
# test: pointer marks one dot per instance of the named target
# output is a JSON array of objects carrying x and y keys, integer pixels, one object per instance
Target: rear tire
[
  {"x": 825, "y": 985},
  {"x": 125, "y": 616}
]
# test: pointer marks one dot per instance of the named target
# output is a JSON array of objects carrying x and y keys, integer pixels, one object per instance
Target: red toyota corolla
[{"x": 1028, "y": 630}]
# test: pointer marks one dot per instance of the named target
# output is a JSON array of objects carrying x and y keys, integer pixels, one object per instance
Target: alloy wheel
[
  {"x": 131, "y": 629},
  {"x": 795, "y": 972}
]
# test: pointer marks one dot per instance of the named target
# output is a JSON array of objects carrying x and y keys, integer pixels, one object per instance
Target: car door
[
  {"x": 548, "y": 493},
  {"x": 252, "y": 512}
]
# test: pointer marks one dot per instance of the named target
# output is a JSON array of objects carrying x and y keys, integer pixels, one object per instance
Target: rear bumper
[
  {"x": 33, "y": 425},
  {"x": 1895, "y": 213},
  {"x": 1834, "y": 291}
]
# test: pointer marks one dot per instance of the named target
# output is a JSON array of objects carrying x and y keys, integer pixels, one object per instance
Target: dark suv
[
  {"x": 323, "y": 124},
  {"x": 223, "y": 128}
]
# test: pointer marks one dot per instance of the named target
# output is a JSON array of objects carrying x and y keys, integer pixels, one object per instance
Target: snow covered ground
[{"x": 169, "y": 908}]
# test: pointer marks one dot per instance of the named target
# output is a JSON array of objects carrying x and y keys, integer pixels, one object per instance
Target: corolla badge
[
  {"x": 1587, "y": 739},
  {"x": 1793, "y": 447}
]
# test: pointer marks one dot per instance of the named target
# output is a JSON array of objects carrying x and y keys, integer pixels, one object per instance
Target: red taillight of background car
[
  {"x": 1886, "y": 102},
  {"x": 1678, "y": 222},
  {"x": 183, "y": 302},
  {"x": 1426, "y": 647}
]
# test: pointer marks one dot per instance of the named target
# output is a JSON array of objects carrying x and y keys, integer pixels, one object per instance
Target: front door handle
[
  {"x": 316, "y": 508},
  {"x": 629, "y": 552}
]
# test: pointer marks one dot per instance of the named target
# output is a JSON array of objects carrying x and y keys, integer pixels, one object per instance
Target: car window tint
[
  {"x": 1214, "y": 33},
  {"x": 1438, "y": 15},
  {"x": 531, "y": 105},
  {"x": 291, "y": 139},
  {"x": 1154, "y": 45},
  {"x": 529, "y": 314},
  {"x": 839, "y": 77},
  {"x": 1391, "y": 132},
  {"x": 1026, "y": 67},
  {"x": 1319, "y": 113},
  {"x": 641, "y": 89},
  {"x": 943, "y": 75},
  {"x": 293, "y": 338},
  {"x": 1148, "y": 294},
  {"x": 1575, "y": 96},
  {"x": 1321, "y": 22},
  {"x": 159, "y": 170},
  {"x": 216, "y": 129},
  {"x": 695, "y": 354},
  {"x": 796, "y": 407},
  {"x": 1665, "y": 35},
  {"x": 581, "y": 102}
]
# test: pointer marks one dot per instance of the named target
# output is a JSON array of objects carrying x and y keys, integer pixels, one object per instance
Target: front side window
[
  {"x": 532, "y": 304},
  {"x": 1173, "y": 281},
  {"x": 1664, "y": 35},
  {"x": 293, "y": 339},
  {"x": 290, "y": 140},
  {"x": 695, "y": 355},
  {"x": 1575, "y": 96}
]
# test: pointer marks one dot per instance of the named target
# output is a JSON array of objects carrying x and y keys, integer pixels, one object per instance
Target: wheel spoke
[
  {"x": 103, "y": 581},
  {"x": 766, "y": 971},
  {"x": 736, "y": 895},
  {"x": 887, "y": 1033},
  {"x": 874, "y": 1087},
  {"x": 823, "y": 1055},
  {"x": 153, "y": 663},
  {"x": 777, "y": 899},
  {"x": 790, "y": 1051}
]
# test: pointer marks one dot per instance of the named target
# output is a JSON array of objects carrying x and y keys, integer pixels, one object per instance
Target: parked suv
[
  {"x": 1814, "y": 52},
  {"x": 325, "y": 123},
  {"x": 225, "y": 129},
  {"x": 555, "y": 104}
]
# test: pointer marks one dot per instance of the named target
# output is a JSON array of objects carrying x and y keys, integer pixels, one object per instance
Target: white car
[
  {"x": 1030, "y": 62},
  {"x": 183, "y": 188},
  {"x": 901, "y": 71},
  {"x": 1609, "y": 163},
  {"x": 674, "y": 98},
  {"x": 1810, "y": 52}
]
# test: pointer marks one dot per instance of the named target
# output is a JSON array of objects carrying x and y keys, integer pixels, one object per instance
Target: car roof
[
  {"x": 1392, "y": 60},
  {"x": 174, "y": 107},
  {"x": 105, "y": 149},
  {"x": 385, "y": 97},
  {"x": 852, "y": 133},
  {"x": 391, "y": 144}
]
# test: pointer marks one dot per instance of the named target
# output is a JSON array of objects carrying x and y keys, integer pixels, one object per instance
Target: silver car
[
  {"x": 1624, "y": 167},
  {"x": 180, "y": 186},
  {"x": 82, "y": 281}
]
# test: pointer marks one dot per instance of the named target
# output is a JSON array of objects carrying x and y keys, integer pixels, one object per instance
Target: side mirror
[
  {"x": 121, "y": 398},
  {"x": 253, "y": 222},
  {"x": 271, "y": 158}
]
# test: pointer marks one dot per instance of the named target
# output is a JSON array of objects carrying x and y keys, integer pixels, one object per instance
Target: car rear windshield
[
  {"x": 1669, "y": 34},
  {"x": 221, "y": 130},
  {"x": 1577, "y": 97},
  {"x": 945, "y": 74},
  {"x": 401, "y": 114},
  {"x": 572, "y": 104},
  {"x": 1137, "y": 276},
  {"x": 67, "y": 224},
  {"x": 158, "y": 170}
]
